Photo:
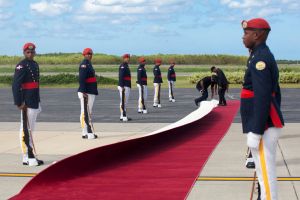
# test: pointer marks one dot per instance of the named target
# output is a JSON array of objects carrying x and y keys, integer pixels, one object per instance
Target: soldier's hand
[
  {"x": 253, "y": 140},
  {"x": 21, "y": 107},
  {"x": 85, "y": 95}
]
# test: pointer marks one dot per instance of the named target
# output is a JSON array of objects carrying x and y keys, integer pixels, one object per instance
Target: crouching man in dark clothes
[{"x": 202, "y": 87}]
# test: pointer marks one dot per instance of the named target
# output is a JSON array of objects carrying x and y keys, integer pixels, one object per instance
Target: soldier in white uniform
[
  {"x": 260, "y": 105},
  {"x": 26, "y": 92},
  {"x": 124, "y": 87},
  {"x": 142, "y": 86},
  {"x": 87, "y": 92},
  {"x": 157, "y": 83},
  {"x": 171, "y": 81}
]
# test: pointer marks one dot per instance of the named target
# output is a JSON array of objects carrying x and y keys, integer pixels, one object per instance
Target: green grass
[
  {"x": 182, "y": 82},
  {"x": 289, "y": 73},
  {"x": 61, "y": 79},
  {"x": 164, "y": 68}
]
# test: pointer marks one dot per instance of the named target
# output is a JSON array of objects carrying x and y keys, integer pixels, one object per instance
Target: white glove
[{"x": 253, "y": 140}]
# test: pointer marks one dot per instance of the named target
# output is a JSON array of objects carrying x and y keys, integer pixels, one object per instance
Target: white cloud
[
  {"x": 131, "y": 11},
  {"x": 269, "y": 12},
  {"x": 157, "y": 29},
  {"x": 5, "y": 16},
  {"x": 29, "y": 25},
  {"x": 125, "y": 20},
  {"x": 262, "y": 8},
  {"x": 245, "y": 3},
  {"x": 5, "y": 13},
  {"x": 161, "y": 31},
  {"x": 292, "y": 4},
  {"x": 132, "y": 6},
  {"x": 51, "y": 8},
  {"x": 89, "y": 18},
  {"x": 5, "y": 3}
]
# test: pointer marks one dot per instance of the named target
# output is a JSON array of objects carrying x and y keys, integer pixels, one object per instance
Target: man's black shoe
[
  {"x": 84, "y": 136},
  {"x": 40, "y": 162},
  {"x": 250, "y": 165}
]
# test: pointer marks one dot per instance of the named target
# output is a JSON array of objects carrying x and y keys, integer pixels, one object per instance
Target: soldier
[
  {"x": 86, "y": 93},
  {"x": 26, "y": 94},
  {"x": 222, "y": 85},
  {"x": 202, "y": 87},
  {"x": 260, "y": 105},
  {"x": 171, "y": 81},
  {"x": 124, "y": 86},
  {"x": 157, "y": 83},
  {"x": 142, "y": 86}
]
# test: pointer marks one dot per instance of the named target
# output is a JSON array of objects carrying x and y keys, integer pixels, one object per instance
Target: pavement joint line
[
  {"x": 200, "y": 178},
  {"x": 40, "y": 140},
  {"x": 287, "y": 167}
]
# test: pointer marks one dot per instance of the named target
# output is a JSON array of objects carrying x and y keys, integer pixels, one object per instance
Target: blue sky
[{"x": 145, "y": 27}]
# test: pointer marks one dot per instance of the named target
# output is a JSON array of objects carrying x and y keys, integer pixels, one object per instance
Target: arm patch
[
  {"x": 19, "y": 67},
  {"x": 261, "y": 65}
]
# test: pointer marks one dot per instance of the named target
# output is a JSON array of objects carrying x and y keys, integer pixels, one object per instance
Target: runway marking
[
  {"x": 200, "y": 178},
  {"x": 17, "y": 174},
  {"x": 204, "y": 178}
]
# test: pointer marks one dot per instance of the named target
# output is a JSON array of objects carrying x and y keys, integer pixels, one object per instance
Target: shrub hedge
[
  {"x": 100, "y": 58},
  {"x": 75, "y": 58},
  {"x": 61, "y": 79},
  {"x": 238, "y": 77}
]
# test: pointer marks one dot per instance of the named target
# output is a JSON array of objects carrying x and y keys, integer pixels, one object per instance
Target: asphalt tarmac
[{"x": 62, "y": 105}]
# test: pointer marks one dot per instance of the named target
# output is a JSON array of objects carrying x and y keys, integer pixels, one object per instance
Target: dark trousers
[
  {"x": 221, "y": 94},
  {"x": 87, "y": 115},
  {"x": 203, "y": 97},
  {"x": 27, "y": 138}
]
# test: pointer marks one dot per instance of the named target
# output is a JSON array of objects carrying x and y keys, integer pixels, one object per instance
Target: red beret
[
  {"x": 87, "y": 51},
  {"x": 256, "y": 23},
  {"x": 29, "y": 45},
  {"x": 142, "y": 59},
  {"x": 158, "y": 61},
  {"x": 126, "y": 55}
]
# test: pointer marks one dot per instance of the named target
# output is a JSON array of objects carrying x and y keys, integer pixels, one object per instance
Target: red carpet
[{"x": 162, "y": 166}]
